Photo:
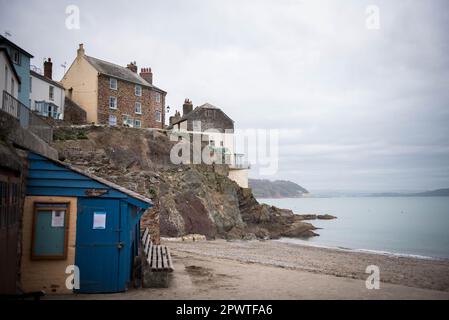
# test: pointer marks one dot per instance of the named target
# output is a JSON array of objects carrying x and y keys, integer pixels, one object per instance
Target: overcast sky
[{"x": 360, "y": 109}]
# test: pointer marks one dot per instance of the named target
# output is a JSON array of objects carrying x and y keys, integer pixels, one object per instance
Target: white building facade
[{"x": 46, "y": 96}]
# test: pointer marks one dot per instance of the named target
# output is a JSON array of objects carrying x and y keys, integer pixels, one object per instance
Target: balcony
[
  {"x": 240, "y": 162},
  {"x": 27, "y": 119}
]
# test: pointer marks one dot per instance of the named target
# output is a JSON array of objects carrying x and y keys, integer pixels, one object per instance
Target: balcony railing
[
  {"x": 28, "y": 119},
  {"x": 240, "y": 162}
]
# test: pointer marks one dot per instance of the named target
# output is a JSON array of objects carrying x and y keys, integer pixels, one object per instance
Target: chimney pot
[
  {"x": 187, "y": 107},
  {"x": 147, "y": 75}
]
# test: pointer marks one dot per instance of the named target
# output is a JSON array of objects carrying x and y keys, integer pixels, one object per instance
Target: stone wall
[
  {"x": 12, "y": 132},
  {"x": 73, "y": 113},
  {"x": 211, "y": 119}
]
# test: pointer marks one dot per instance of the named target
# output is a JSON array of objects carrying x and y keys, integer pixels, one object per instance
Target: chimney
[
  {"x": 80, "y": 52},
  {"x": 175, "y": 118},
  {"x": 187, "y": 107},
  {"x": 48, "y": 68},
  {"x": 132, "y": 66},
  {"x": 147, "y": 75}
]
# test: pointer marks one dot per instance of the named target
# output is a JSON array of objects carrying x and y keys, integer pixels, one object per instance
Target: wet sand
[{"x": 274, "y": 270}]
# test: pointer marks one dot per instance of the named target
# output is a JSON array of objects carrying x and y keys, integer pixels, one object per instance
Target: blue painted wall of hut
[{"x": 104, "y": 256}]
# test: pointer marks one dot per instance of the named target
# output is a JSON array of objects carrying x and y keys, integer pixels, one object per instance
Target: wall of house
[
  {"x": 47, "y": 275},
  {"x": 23, "y": 70},
  {"x": 126, "y": 100},
  {"x": 7, "y": 86},
  {"x": 158, "y": 106},
  {"x": 40, "y": 92},
  {"x": 211, "y": 119},
  {"x": 240, "y": 176},
  {"x": 83, "y": 79}
]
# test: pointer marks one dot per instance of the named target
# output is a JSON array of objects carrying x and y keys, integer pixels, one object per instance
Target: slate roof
[
  {"x": 5, "y": 41},
  {"x": 43, "y": 78},
  {"x": 191, "y": 115},
  {"x": 116, "y": 71}
]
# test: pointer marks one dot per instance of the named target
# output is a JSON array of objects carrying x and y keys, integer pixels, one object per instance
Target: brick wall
[{"x": 126, "y": 100}]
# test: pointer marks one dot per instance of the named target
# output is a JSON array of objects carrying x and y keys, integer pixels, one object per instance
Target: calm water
[{"x": 400, "y": 225}]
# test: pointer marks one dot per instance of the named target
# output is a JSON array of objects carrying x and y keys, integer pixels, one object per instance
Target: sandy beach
[{"x": 274, "y": 270}]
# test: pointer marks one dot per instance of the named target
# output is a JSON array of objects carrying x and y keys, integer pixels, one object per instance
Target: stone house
[
  {"x": 115, "y": 95},
  {"x": 217, "y": 128}
]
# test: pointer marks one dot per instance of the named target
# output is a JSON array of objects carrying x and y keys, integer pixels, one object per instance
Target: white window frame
[
  {"x": 137, "y": 123},
  {"x": 51, "y": 93},
  {"x": 115, "y": 103},
  {"x": 128, "y": 120},
  {"x": 113, "y": 123},
  {"x": 111, "y": 81},
  {"x": 15, "y": 57},
  {"x": 158, "y": 119},
  {"x": 158, "y": 97},
  {"x": 138, "y": 90},
  {"x": 140, "y": 108}
]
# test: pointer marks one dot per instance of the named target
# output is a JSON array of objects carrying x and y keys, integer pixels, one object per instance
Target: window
[
  {"x": 51, "y": 93},
  {"x": 50, "y": 231},
  {"x": 6, "y": 78},
  {"x": 138, "y": 108},
  {"x": 9, "y": 201},
  {"x": 158, "y": 116},
  {"x": 47, "y": 109},
  {"x": 112, "y": 103},
  {"x": 15, "y": 56},
  {"x": 137, "y": 124},
  {"x": 112, "y": 120},
  {"x": 158, "y": 97},
  {"x": 128, "y": 121},
  {"x": 113, "y": 83},
  {"x": 212, "y": 143},
  {"x": 138, "y": 90},
  {"x": 13, "y": 88}
]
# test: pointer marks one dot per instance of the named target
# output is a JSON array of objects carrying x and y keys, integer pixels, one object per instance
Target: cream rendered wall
[
  {"x": 83, "y": 78},
  {"x": 47, "y": 275},
  {"x": 240, "y": 176}
]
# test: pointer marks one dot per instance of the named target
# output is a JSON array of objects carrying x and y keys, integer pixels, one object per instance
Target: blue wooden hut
[{"x": 74, "y": 217}]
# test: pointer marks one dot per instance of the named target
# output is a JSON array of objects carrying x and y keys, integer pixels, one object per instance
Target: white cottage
[{"x": 46, "y": 95}]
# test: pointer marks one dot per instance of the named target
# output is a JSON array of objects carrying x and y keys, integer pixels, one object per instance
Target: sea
[{"x": 403, "y": 226}]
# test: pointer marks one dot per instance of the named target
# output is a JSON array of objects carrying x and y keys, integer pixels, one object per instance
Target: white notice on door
[
  {"x": 99, "y": 220},
  {"x": 57, "y": 219}
]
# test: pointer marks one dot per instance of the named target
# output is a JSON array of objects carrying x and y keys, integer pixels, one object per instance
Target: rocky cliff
[{"x": 188, "y": 199}]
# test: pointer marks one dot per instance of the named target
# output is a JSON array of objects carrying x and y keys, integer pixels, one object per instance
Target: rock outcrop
[{"x": 189, "y": 199}]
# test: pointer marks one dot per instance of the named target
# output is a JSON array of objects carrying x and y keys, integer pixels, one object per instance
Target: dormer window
[
  {"x": 113, "y": 84},
  {"x": 138, "y": 90}
]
